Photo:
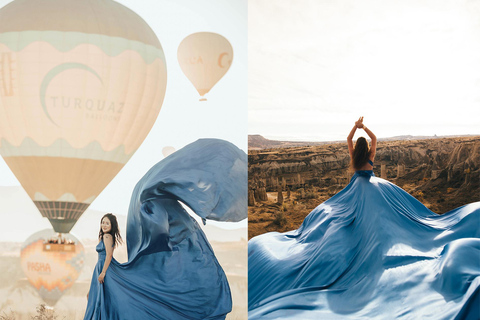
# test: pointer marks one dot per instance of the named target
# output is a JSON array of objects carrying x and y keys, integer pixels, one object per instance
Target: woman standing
[
  {"x": 172, "y": 271},
  {"x": 109, "y": 238},
  {"x": 362, "y": 155}
]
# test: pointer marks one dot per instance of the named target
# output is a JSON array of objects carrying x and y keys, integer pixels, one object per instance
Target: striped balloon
[{"x": 81, "y": 85}]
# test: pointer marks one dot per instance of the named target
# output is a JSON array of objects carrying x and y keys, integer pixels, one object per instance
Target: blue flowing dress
[
  {"x": 172, "y": 272},
  {"x": 372, "y": 251}
]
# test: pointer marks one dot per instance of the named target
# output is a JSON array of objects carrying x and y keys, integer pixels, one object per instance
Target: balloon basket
[
  {"x": 59, "y": 244},
  {"x": 202, "y": 99},
  {"x": 50, "y": 247}
]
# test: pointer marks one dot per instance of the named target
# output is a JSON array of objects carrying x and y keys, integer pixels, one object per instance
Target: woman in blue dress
[
  {"x": 371, "y": 251},
  {"x": 172, "y": 272},
  {"x": 109, "y": 238}
]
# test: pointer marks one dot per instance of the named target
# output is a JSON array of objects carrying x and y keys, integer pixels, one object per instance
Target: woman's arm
[
  {"x": 373, "y": 147},
  {"x": 108, "y": 242},
  {"x": 358, "y": 124},
  {"x": 350, "y": 142}
]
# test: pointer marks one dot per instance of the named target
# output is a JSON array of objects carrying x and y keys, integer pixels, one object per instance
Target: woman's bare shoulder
[{"x": 108, "y": 241}]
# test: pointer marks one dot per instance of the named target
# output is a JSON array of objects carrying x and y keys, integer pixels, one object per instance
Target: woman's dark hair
[
  {"x": 114, "y": 231},
  {"x": 361, "y": 153}
]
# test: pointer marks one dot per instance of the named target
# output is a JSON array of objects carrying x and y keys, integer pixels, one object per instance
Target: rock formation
[
  {"x": 251, "y": 198},
  {"x": 432, "y": 166},
  {"x": 279, "y": 195},
  {"x": 383, "y": 170}
]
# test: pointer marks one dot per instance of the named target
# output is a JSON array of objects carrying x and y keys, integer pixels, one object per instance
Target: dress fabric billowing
[
  {"x": 372, "y": 251},
  {"x": 172, "y": 272}
]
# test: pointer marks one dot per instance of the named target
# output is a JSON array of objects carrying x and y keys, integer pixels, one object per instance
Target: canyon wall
[{"x": 445, "y": 172}]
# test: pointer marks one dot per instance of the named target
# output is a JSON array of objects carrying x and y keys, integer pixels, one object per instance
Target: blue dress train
[
  {"x": 372, "y": 251},
  {"x": 172, "y": 272}
]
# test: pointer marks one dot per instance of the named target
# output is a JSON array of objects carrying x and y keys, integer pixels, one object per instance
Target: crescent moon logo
[
  {"x": 52, "y": 74},
  {"x": 220, "y": 59}
]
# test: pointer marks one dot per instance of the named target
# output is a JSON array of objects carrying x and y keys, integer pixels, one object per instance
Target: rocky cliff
[{"x": 442, "y": 173}]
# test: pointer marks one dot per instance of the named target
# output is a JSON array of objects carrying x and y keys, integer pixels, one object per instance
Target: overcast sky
[
  {"x": 183, "y": 119},
  {"x": 408, "y": 67}
]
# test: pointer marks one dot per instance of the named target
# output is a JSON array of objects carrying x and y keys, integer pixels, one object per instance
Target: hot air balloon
[
  {"x": 52, "y": 263},
  {"x": 168, "y": 150},
  {"x": 81, "y": 85},
  {"x": 204, "y": 58}
]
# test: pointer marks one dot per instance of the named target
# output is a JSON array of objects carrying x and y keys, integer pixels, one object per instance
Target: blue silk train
[
  {"x": 172, "y": 272},
  {"x": 372, "y": 251}
]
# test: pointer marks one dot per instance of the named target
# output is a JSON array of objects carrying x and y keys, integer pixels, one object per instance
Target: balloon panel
[
  {"x": 51, "y": 172},
  {"x": 51, "y": 268},
  {"x": 103, "y": 17},
  {"x": 112, "y": 100},
  {"x": 204, "y": 58}
]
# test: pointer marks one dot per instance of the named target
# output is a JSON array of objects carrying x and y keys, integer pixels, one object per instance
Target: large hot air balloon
[
  {"x": 204, "y": 58},
  {"x": 52, "y": 264},
  {"x": 81, "y": 85}
]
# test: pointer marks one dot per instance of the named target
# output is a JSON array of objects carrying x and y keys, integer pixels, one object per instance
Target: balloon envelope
[
  {"x": 81, "y": 85},
  {"x": 51, "y": 268},
  {"x": 204, "y": 58},
  {"x": 168, "y": 150}
]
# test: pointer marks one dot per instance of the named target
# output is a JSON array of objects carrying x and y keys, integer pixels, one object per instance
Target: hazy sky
[
  {"x": 409, "y": 67},
  {"x": 183, "y": 119}
]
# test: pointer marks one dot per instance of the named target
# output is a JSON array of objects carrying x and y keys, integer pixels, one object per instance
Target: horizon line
[{"x": 435, "y": 136}]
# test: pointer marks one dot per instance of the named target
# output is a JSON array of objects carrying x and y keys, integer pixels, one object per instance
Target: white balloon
[{"x": 168, "y": 150}]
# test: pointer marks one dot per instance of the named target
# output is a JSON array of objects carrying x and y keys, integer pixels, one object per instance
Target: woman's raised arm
[
  {"x": 350, "y": 142},
  {"x": 373, "y": 146},
  {"x": 358, "y": 124}
]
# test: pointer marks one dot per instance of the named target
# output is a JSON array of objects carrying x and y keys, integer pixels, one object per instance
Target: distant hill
[{"x": 258, "y": 142}]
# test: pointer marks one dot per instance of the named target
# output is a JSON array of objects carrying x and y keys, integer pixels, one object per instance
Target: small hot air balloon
[
  {"x": 168, "y": 150},
  {"x": 204, "y": 58},
  {"x": 81, "y": 85},
  {"x": 52, "y": 263}
]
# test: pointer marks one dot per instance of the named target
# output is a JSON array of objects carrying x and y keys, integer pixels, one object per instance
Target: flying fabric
[
  {"x": 81, "y": 85},
  {"x": 372, "y": 251},
  {"x": 172, "y": 272}
]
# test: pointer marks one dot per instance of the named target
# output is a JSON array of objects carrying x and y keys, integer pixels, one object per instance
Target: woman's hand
[
  {"x": 101, "y": 277},
  {"x": 359, "y": 123}
]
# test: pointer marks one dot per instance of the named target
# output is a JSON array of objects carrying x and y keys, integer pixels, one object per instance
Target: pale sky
[
  {"x": 408, "y": 67},
  {"x": 183, "y": 119}
]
